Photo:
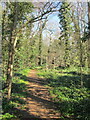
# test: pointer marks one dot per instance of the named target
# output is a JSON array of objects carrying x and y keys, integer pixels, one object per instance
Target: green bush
[{"x": 7, "y": 116}]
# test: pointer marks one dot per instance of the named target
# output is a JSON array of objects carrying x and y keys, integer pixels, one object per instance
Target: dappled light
[{"x": 45, "y": 60}]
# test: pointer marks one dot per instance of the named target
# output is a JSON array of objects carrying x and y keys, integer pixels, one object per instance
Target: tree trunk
[
  {"x": 46, "y": 62},
  {"x": 42, "y": 25},
  {"x": 12, "y": 44},
  {"x": 66, "y": 55},
  {"x": 79, "y": 43},
  {"x": 10, "y": 69},
  {"x": 40, "y": 48},
  {"x": 3, "y": 46}
]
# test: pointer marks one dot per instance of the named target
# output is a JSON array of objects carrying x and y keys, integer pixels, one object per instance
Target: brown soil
[{"x": 38, "y": 101}]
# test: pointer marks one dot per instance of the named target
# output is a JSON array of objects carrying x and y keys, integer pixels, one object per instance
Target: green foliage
[
  {"x": 22, "y": 7},
  {"x": 65, "y": 84},
  {"x": 66, "y": 30},
  {"x": 85, "y": 37},
  {"x": 20, "y": 11},
  {"x": 65, "y": 20},
  {"x": 18, "y": 91},
  {"x": 7, "y": 116},
  {"x": 73, "y": 100}
]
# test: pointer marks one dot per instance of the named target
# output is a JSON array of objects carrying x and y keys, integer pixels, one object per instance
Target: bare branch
[{"x": 51, "y": 10}]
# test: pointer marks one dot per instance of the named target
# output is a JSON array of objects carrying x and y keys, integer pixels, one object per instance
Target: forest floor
[
  {"x": 38, "y": 103},
  {"x": 53, "y": 94}
]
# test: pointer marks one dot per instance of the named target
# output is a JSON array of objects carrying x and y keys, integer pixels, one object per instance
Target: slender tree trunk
[
  {"x": 12, "y": 44},
  {"x": 3, "y": 40},
  {"x": 46, "y": 62},
  {"x": 66, "y": 55},
  {"x": 54, "y": 63},
  {"x": 79, "y": 43},
  {"x": 10, "y": 69},
  {"x": 81, "y": 63},
  {"x": 40, "y": 47},
  {"x": 10, "y": 65},
  {"x": 42, "y": 25}
]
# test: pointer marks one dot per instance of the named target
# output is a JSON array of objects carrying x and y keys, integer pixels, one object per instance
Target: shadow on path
[{"x": 36, "y": 99}]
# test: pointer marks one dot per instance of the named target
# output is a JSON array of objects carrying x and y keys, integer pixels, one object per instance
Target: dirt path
[{"x": 38, "y": 102}]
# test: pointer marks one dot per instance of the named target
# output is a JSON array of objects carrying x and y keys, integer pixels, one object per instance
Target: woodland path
[{"x": 38, "y": 101}]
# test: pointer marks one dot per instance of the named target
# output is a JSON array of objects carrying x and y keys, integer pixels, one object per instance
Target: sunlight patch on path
[{"x": 38, "y": 100}]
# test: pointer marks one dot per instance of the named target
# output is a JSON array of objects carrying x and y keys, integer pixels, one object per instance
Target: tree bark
[
  {"x": 10, "y": 68},
  {"x": 40, "y": 47},
  {"x": 12, "y": 44}
]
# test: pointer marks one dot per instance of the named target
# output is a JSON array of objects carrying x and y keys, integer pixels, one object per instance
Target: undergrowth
[
  {"x": 9, "y": 108},
  {"x": 65, "y": 88}
]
